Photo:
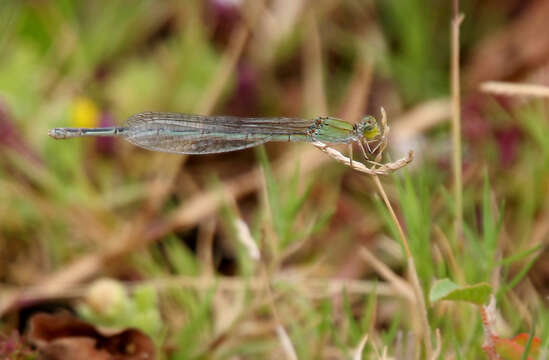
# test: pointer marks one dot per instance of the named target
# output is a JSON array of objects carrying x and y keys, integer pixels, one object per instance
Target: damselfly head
[{"x": 368, "y": 128}]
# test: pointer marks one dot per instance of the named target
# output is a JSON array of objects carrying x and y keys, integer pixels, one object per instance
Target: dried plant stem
[
  {"x": 420, "y": 118},
  {"x": 386, "y": 273},
  {"x": 315, "y": 287},
  {"x": 360, "y": 348},
  {"x": 416, "y": 286},
  {"x": 456, "y": 122},
  {"x": 515, "y": 89},
  {"x": 393, "y": 215},
  {"x": 384, "y": 169},
  {"x": 438, "y": 347}
]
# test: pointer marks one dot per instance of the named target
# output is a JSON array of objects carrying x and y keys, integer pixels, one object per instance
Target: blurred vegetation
[{"x": 178, "y": 233}]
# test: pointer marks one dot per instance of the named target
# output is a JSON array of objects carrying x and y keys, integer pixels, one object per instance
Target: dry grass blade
[
  {"x": 515, "y": 89},
  {"x": 438, "y": 347},
  {"x": 386, "y": 273},
  {"x": 314, "y": 287},
  {"x": 246, "y": 239},
  {"x": 422, "y": 307},
  {"x": 360, "y": 348},
  {"x": 456, "y": 120},
  {"x": 420, "y": 118},
  {"x": 286, "y": 342}
]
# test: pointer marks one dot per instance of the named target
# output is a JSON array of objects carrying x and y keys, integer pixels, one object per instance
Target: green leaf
[
  {"x": 521, "y": 255},
  {"x": 446, "y": 289},
  {"x": 517, "y": 278}
]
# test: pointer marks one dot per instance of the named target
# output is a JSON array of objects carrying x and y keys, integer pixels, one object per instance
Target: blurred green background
[{"x": 77, "y": 210}]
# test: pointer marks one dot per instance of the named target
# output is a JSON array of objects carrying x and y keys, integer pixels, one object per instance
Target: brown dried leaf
[{"x": 63, "y": 336}]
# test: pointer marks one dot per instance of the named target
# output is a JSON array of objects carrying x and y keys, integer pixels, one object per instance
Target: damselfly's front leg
[
  {"x": 368, "y": 146},
  {"x": 381, "y": 141},
  {"x": 375, "y": 163},
  {"x": 378, "y": 145},
  {"x": 363, "y": 150},
  {"x": 381, "y": 144}
]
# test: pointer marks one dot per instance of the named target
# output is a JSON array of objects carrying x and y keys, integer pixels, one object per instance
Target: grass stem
[
  {"x": 456, "y": 121},
  {"x": 416, "y": 286}
]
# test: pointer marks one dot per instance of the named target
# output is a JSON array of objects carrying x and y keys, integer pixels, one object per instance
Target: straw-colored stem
[
  {"x": 393, "y": 215},
  {"x": 515, "y": 89},
  {"x": 456, "y": 122},
  {"x": 416, "y": 286}
]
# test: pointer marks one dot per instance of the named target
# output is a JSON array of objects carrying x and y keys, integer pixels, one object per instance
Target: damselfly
[{"x": 199, "y": 134}]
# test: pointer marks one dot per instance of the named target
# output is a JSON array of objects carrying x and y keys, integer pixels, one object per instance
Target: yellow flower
[{"x": 85, "y": 113}]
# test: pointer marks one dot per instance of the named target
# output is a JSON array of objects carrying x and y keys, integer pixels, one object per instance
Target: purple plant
[{"x": 508, "y": 140}]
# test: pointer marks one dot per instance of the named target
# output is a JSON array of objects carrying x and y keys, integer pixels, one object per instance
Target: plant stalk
[{"x": 456, "y": 121}]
